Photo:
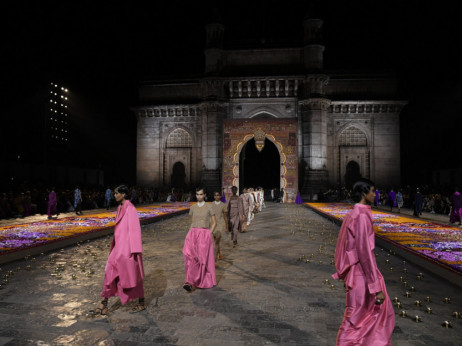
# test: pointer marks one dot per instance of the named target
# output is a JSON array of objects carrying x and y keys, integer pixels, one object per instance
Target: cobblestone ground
[{"x": 273, "y": 288}]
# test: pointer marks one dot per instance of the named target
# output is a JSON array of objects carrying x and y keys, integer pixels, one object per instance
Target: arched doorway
[
  {"x": 178, "y": 175},
  {"x": 352, "y": 174},
  {"x": 259, "y": 168}
]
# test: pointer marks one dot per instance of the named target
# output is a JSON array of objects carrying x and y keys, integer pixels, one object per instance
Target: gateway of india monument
[{"x": 319, "y": 128}]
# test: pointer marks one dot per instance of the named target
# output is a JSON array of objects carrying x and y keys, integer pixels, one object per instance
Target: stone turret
[
  {"x": 312, "y": 38},
  {"x": 214, "y": 44}
]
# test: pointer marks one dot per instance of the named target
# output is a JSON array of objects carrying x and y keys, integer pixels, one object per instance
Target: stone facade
[{"x": 348, "y": 124}]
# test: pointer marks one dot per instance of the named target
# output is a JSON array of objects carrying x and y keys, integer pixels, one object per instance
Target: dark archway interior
[
  {"x": 178, "y": 175},
  {"x": 352, "y": 174},
  {"x": 259, "y": 168}
]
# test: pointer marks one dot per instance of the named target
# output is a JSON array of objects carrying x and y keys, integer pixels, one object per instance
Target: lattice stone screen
[
  {"x": 179, "y": 138},
  {"x": 352, "y": 137}
]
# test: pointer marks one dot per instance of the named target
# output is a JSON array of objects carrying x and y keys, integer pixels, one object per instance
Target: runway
[{"x": 265, "y": 294}]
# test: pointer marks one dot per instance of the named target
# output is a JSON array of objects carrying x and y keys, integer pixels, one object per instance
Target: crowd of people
[
  {"x": 433, "y": 201},
  {"x": 42, "y": 201}
]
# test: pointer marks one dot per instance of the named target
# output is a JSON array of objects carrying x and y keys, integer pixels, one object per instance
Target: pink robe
[
  {"x": 364, "y": 322},
  {"x": 124, "y": 268},
  {"x": 199, "y": 261}
]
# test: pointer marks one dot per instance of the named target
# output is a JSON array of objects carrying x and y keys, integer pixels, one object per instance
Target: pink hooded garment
[
  {"x": 124, "y": 270},
  {"x": 364, "y": 322}
]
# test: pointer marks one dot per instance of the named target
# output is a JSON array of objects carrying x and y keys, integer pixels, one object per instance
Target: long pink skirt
[
  {"x": 125, "y": 294},
  {"x": 199, "y": 262},
  {"x": 365, "y": 323}
]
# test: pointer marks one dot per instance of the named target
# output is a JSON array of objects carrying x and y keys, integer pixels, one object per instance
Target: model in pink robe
[
  {"x": 124, "y": 268},
  {"x": 364, "y": 322}
]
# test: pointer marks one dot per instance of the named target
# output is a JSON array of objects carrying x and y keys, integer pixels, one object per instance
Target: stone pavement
[{"x": 273, "y": 288}]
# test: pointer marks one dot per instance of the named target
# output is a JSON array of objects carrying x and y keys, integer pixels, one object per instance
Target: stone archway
[
  {"x": 259, "y": 168},
  {"x": 178, "y": 175},
  {"x": 281, "y": 132},
  {"x": 352, "y": 174}
]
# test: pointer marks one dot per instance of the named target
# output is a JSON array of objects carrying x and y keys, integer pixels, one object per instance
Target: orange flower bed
[
  {"x": 434, "y": 241},
  {"x": 24, "y": 236}
]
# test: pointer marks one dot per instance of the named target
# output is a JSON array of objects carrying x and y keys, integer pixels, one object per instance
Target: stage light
[
  {"x": 65, "y": 90},
  {"x": 65, "y": 98}
]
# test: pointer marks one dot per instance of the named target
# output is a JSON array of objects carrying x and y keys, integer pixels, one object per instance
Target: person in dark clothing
[{"x": 418, "y": 200}]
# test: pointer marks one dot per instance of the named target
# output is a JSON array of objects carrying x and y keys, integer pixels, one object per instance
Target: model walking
[
  {"x": 369, "y": 318},
  {"x": 124, "y": 268},
  {"x": 220, "y": 210},
  {"x": 199, "y": 263}
]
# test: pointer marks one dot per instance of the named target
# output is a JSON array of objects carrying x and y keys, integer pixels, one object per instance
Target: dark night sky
[{"x": 101, "y": 49}]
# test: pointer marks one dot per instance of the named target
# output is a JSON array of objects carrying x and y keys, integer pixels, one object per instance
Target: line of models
[{"x": 369, "y": 316}]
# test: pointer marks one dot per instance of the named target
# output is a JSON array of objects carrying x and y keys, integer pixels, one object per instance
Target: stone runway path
[{"x": 265, "y": 295}]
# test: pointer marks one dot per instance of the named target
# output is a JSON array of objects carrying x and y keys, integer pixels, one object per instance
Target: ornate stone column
[
  {"x": 314, "y": 137},
  {"x": 212, "y": 147}
]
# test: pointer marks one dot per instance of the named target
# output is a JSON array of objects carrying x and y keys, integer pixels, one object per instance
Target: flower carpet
[
  {"x": 436, "y": 242},
  {"x": 25, "y": 236}
]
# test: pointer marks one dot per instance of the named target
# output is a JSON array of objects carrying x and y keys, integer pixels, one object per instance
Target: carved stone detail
[
  {"x": 356, "y": 107},
  {"x": 269, "y": 87},
  {"x": 168, "y": 111}
]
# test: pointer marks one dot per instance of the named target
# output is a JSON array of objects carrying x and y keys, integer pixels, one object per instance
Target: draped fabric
[
  {"x": 124, "y": 271},
  {"x": 298, "y": 199},
  {"x": 392, "y": 199},
  {"x": 199, "y": 261},
  {"x": 243, "y": 206},
  {"x": 364, "y": 322},
  {"x": 233, "y": 214},
  {"x": 234, "y": 217},
  {"x": 456, "y": 211}
]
